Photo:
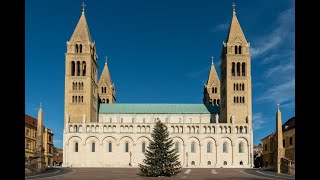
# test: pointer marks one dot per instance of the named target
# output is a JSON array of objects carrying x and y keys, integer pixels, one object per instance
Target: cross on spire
[
  {"x": 83, "y": 5},
  {"x": 278, "y": 106},
  {"x": 234, "y": 8},
  {"x": 212, "y": 59},
  {"x": 40, "y": 105}
]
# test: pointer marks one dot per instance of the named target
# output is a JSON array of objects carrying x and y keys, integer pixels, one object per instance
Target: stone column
[
  {"x": 101, "y": 155},
  {"x": 83, "y": 154},
  {"x": 232, "y": 146},
  {"x": 133, "y": 153},
  {"x": 200, "y": 152},
  {"x": 249, "y": 154},
  {"x": 76, "y": 68},
  {"x": 216, "y": 154}
]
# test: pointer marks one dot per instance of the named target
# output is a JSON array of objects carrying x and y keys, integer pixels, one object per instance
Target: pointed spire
[
  {"x": 235, "y": 32},
  {"x": 81, "y": 32},
  {"x": 105, "y": 75},
  {"x": 213, "y": 76}
]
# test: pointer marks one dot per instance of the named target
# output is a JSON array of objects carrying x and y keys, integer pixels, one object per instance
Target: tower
[
  {"x": 235, "y": 76},
  {"x": 106, "y": 91},
  {"x": 279, "y": 150},
  {"x": 81, "y": 90},
  {"x": 212, "y": 87},
  {"x": 39, "y": 152}
]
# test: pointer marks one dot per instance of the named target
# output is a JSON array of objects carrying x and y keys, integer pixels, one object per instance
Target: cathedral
[{"x": 98, "y": 132}]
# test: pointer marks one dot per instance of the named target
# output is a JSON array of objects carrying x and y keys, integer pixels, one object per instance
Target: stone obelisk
[
  {"x": 279, "y": 150},
  {"x": 39, "y": 153}
]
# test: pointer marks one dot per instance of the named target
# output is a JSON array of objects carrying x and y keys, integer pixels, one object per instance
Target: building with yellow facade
[
  {"x": 31, "y": 137},
  {"x": 288, "y": 134}
]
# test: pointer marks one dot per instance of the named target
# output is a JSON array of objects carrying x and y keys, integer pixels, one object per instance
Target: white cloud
[
  {"x": 280, "y": 70},
  {"x": 280, "y": 93},
  {"x": 257, "y": 121},
  {"x": 198, "y": 73},
  {"x": 221, "y": 27},
  {"x": 284, "y": 29}
]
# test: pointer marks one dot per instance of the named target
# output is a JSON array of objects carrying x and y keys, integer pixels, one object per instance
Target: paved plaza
[{"x": 132, "y": 174}]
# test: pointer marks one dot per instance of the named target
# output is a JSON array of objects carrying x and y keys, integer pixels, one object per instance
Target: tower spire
[{"x": 106, "y": 60}]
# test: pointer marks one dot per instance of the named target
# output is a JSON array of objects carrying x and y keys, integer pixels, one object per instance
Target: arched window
[
  {"x": 76, "y": 147},
  {"x": 233, "y": 69},
  {"x": 225, "y": 148},
  {"x": 243, "y": 69},
  {"x": 101, "y": 89},
  {"x": 93, "y": 147},
  {"x": 28, "y": 132},
  {"x": 127, "y": 147},
  {"x": 237, "y": 99},
  {"x": 209, "y": 163},
  {"x": 242, "y": 86},
  {"x": 238, "y": 69},
  {"x": 236, "y": 49},
  {"x": 110, "y": 146},
  {"x": 225, "y": 163},
  {"x": 81, "y": 98},
  {"x": 240, "y": 48},
  {"x": 214, "y": 101},
  {"x": 77, "y": 48},
  {"x": 78, "y": 68},
  {"x": 237, "y": 87},
  {"x": 234, "y": 86},
  {"x": 107, "y": 100},
  {"x": 208, "y": 147},
  {"x": 241, "y": 163},
  {"x": 240, "y": 100},
  {"x": 105, "y": 89},
  {"x": 143, "y": 147},
  {"x": 243, "y": 99},
  {"x": 80, "y": 48},
  {"x": 84, "y": 68},
  {"x": 192, "y": 147},
  {"x": 177, "y": 146},
  {"x": 73, "y": 68},
  {"x": 103, "y": 101},
  {"x": 241, "y": 147},
  {"x": 75, "y": 99},
  {"x": 234, "y": 99},
  {"x": 193, "y": 163},
  {"x": 75, "y": 129},
  {"x": 218, "y": 101},
  {"x": 215, "y": 90}
]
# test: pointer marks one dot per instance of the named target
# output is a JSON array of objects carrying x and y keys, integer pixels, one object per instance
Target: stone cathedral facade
[{"x": 98, "y": 132}]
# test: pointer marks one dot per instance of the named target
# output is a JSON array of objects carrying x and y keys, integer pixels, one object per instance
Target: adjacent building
[
  {"x": 288, "y": 141},
  {"x": 30, "y": 140}
]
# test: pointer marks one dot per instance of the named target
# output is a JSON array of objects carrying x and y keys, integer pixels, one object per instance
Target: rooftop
[{"x": 158, "y": 109}]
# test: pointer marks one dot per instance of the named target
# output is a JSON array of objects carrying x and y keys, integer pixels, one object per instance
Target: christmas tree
[{"x": 161, "y": 159}]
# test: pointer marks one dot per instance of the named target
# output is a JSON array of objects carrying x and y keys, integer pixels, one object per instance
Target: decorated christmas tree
[{"x": 160, "y": 158}]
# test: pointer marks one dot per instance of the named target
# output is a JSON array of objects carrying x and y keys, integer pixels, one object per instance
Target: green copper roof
[{"x": 158, "y": 108}]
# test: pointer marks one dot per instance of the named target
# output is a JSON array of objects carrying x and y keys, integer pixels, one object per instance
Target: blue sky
[{"x": 159, "y": 52}]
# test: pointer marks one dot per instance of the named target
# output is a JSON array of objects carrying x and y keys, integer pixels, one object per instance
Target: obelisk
[
  {"x": 279, "y": 150},
  {"x": 41, "y": 163}
]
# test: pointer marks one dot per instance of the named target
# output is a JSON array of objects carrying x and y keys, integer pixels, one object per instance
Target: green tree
[{"x": 160, "y": 158}]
